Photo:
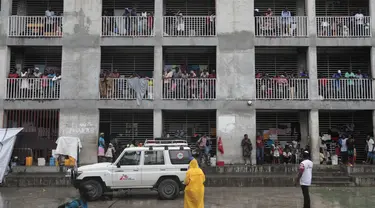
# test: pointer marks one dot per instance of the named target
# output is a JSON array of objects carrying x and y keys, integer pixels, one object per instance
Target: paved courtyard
[{"x": 214, "y": 197}]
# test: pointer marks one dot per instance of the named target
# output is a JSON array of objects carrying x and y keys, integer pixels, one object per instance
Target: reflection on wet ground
[{"x": 214, "y": 198}]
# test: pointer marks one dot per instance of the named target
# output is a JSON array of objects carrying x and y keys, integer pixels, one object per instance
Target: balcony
[
  {"x": 190, "y": 26},
  {"x": 343, "y": 27},
  {"x": 127, "y": 26},
  {"x": 346, "y": 89},
  {"x": 118, "y": 89},
  {"x": 189, "y": 89},
  {"x": 282, "y": 89},
  {"x": 282, "y": 27},
  {"x": 35, "y": 26},
  {"x": 33, "y": 89}
]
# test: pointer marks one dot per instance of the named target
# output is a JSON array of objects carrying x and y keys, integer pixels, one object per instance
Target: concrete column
[
  {"x": 304, "y": 127},
  {"x": 235, "y": 51},
  {"x": 2, "y": 117},
  {"x": 313, "y": 73},
  {"x": 82, "y": 123},
  {"x": 372, "y": 15},
  {"x": 158, "y": 123},
  {"x": 158, "y": 18},
  {"x": 158, "y": 72},
  {"x": 6, "y": 11},
  {"x": 314, "y": 135},
  {"x": 373, "y": 69},
  {"x": 311, "y": 21},
  {"x": 81, "y": 50},
  {"x": 373, "y": 122},
  {"x": 4, "y": 64},
  {"x": 300, "y": 8},
  {"x": 231, "y": 127}
]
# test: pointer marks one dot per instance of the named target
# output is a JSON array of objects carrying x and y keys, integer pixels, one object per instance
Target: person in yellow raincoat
[{"x": 194, "y": 190}]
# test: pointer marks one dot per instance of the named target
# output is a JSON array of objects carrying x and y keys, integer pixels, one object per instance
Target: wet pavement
[{"x": 214, "y": 198}]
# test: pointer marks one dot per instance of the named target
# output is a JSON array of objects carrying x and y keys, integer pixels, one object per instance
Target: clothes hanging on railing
[{"x": 139, "y": 85}]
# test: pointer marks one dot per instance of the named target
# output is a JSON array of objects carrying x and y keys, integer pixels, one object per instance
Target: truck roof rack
[{"x": 163, "y": 143}]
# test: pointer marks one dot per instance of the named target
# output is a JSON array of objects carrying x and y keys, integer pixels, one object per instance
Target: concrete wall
[
  {"x": 82, "y": 123},
  {"x": 231, "y": 127}
]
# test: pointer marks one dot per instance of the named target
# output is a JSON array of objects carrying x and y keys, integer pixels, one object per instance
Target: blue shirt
[
  {"x": 101, "y": 142},
  {"x": 76, "y": 204}
]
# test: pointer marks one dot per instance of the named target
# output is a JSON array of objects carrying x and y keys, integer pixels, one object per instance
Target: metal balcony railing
[
  {"x": 272, "y": 26},
  {"x": 32, "y": 89},
  {"x": 342, "y": 27},
  {"x": 189, "y": 89},
  {"x": 118, "y": 89},
  {"x": 282, "y": 89},
  {"x": 346, "y": 89},
  {"x": 35, "y": 26},
  {"x": 186, "y": 26},
  {"x": 127, "y": 26}
]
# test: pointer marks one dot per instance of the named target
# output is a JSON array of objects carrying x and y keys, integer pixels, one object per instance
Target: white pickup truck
[{"x": 159, "y": 165}]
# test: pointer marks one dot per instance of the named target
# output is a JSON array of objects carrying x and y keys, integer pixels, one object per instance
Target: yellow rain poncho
[{"x": 194, "y": 190}]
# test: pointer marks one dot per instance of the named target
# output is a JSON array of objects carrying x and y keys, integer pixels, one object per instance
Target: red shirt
[
  {"x": 13, "y": 76},
  {"x": 260, "y": 142}
]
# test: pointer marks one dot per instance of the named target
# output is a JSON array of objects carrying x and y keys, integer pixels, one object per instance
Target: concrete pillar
[
  {"x": 158, "y": 123},
  {"x": 313, "y": 73},
  {"x": 372, "y": 14},
  {"x": 304, "y": 127},
  {"x": 158, "y": 72},
  {"x": 314, "y": 135},
  {"x": 158, "y": 19},
  {"x": 373, "y": 69},
  {"x": 231, "y": 127},
  {"x": 81, "y": 50},
  {"x": 84, "y": 124},
  {"x": 373, "y": 122},
  {"x": 6, "y": 11},
  {"x": 311, "y": 21},
  {"x": 2, "y": 117},
  {"x": 235, "y": 51},
  {"x": 300, "y": 8},
  {"x": 4, "y": 64}
]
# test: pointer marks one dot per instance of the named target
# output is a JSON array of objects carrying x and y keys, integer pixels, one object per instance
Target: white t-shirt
[
  {"x": 370, "y": 144},
  {"x": 359, "y": 17},
  {"x": 344, "y": 147},
  {"x": 306, "y": 177}
]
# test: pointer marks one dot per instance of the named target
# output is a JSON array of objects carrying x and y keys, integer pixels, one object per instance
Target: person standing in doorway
[
  {"x": 304, "y": 177},
  {"x": 260, "y": 149},
  {"x": 247, "y": 147},
  {"x": 343, "y": 142},
  {"x": 101, "y": 148},
  {"x": 370, "y": 149}
]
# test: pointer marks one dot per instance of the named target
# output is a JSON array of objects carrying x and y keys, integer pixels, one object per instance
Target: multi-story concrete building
[{"x": 85, "y": 37}]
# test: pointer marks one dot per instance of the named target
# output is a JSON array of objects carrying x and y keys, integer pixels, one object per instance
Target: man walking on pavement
[{"x": 304, "y": 178}]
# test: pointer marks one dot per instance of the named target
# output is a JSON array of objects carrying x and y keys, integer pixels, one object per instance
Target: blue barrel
[{"x": 51, "y": 161}]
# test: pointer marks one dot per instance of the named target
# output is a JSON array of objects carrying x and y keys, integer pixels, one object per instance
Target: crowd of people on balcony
[
  {"x": 282, "y": 86},
  {"x": 268, "y": 25},
  {"x": 132, "y": 23},
  {"x": 194, "y": 82},
  {"x": 349, "y": 85},
  {"x": 176, "y": 24},
  {"x": 30, "y": 83},
  {"x": 113, "y": 85},
  {"x": 356, "y": 25}
]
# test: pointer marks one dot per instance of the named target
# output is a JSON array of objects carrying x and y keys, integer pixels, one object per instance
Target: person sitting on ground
[
  {"x": 78, "y": 203},
  {"x": 287, "y": 155}
]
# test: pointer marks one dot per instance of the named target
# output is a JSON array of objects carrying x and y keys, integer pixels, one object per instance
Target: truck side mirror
[{"x": 118, "y": 165}]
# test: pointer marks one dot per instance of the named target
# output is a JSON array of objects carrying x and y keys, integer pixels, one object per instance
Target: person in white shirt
[
  {"x": 304, "y": 178},
  {"x": 370, "y": 149},
  {"x": 344, "y": 149},
  {"x": 359, "y": 18}
]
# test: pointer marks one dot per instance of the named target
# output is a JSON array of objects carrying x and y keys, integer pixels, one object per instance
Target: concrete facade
[{"x": 235, "y": 42}]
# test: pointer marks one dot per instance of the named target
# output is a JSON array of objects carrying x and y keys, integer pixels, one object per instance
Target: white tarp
[
  {"x": 68, "y": 146},
  {"x": 7, "y": 140}
]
